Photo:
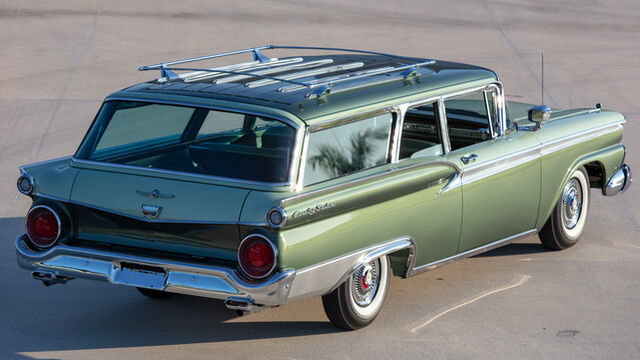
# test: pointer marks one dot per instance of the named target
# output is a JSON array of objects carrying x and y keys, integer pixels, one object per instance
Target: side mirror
[{"x": 539, "y": 114}]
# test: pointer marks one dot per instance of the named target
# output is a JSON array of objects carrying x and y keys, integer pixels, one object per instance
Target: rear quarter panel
[{"x": 406, "y": 203}]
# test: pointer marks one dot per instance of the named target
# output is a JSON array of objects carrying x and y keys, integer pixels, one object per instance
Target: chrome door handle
[{"x": 467, "y": 159}]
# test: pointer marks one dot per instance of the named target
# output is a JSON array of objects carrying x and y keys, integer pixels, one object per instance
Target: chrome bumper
[
  {"x": 619, "y": 182},
  {"x": 62, "y": 263}
]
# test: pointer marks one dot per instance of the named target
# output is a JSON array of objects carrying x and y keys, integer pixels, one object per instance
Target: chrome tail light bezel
[
  {"x": 242, "y": 264},
  {"x": 30, "y": 231}
]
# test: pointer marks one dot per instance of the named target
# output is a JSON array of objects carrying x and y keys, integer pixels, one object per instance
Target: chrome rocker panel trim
[
  {"x": 619, "y": 182},
  {"x": 62, "y": 263}
]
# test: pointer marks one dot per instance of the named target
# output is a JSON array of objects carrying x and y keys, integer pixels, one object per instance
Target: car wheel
[
  {"x": 154, "y": 294},
  {"x": 358, "y": 301},
  {"x": 566, "y": 223}
]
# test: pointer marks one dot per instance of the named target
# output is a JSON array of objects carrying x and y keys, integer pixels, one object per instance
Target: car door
[{"x": 500, "y": 174}]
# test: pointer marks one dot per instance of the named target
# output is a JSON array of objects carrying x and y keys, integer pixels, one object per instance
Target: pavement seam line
[
  {"x": 83, "y": 46},
  {"x": 523, "y": 279},
  {"x": 515, "y": 50},
  {"x": 627, "y": 211},
  {"x": 85, "y": 42}
]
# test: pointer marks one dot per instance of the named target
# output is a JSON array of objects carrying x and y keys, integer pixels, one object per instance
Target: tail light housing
[
  {"x": 257, "y": 256},
  {"x": 43, "y": 226}
]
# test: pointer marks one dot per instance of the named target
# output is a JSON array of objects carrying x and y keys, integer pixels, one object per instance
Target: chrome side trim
[
  {"x": 479, "y": 250},
  {"x": 356, "y": 182},
  {"x": 573, "y": 139},
  {"x": 483, "y": 170},
  {"x": 191, "y": 278},
  {"x": 324, "y": 277},
  {"x": 44, "y": 162}
]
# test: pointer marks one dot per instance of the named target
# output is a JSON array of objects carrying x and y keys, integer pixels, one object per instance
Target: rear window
[{"x": 193, "y": 140}]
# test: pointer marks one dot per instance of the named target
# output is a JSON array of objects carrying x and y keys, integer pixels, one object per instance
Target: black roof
[{"x": 285, "y": 93}]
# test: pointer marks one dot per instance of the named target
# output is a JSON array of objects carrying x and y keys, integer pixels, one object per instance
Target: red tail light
[
  {"x": 257, "y": 256},
  {"x": 43, "y": 226}
]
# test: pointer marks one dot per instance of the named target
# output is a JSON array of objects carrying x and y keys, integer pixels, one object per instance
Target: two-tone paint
[{"x": 422, "y": 212}]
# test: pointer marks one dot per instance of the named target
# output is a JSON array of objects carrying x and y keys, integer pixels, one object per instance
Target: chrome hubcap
[
  {"x": 571, "y": 204},
  {"x": 365, "y": 283}
]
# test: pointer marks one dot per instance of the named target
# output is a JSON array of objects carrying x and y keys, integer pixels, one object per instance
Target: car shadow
[
  {"x": 84, "y": 315},
  {"x": 515, "y": 249}
]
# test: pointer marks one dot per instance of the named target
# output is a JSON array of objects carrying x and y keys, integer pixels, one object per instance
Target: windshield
[{"x": 189, "y": 139}]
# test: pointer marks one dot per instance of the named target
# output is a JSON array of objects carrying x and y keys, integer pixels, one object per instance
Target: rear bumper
[
  {"x": 62, "y": 263},
  {"x": 619, "y": 182}
]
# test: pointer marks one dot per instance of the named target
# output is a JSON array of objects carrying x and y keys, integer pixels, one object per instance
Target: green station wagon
[{"x": 280, "y": 179}]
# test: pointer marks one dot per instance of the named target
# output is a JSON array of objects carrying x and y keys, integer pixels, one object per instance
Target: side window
[
  {"x": 421, "y": 133},
  {"x": 348, "y": 148},
  {"x": 135, "y": 123},
  {"x": 467, "y": 119}
]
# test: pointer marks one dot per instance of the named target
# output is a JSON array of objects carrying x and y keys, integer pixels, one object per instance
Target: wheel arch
[{"x": 600, "y": 166}]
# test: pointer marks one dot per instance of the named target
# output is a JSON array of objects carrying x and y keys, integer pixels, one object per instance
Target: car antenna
[{"x": 542, "y": 91}]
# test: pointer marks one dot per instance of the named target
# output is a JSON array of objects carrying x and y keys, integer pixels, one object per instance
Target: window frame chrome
[
  {"x": 294, "y": 165},
  {"x": 399, "y": 111}
]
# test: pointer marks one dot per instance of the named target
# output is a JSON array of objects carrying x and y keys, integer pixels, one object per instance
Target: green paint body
[{"x": 407, "y": 198}]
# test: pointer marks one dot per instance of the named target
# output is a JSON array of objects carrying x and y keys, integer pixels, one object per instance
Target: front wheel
[
  {"x": 566, "y": 223},
  {"x": 357, "y": 302}
]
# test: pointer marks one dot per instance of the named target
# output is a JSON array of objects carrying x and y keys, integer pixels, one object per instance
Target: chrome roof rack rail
[
  {"x": 305, "y": 73},
  {"x": 274, "y": 64},
  {"x": 275, "y": 70},
  {"x": 261, "y": 61}
]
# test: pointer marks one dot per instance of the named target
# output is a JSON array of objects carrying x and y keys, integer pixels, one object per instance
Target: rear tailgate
[{"x": 157, "y": 213}]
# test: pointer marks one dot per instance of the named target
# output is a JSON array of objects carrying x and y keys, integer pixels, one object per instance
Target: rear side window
[
  {"x": 135, "y": 123},
  {"x": 348, "y": 148}
]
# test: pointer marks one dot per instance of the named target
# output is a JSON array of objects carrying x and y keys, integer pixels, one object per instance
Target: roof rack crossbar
[
  {"x": 257, "y": 55},
  {"x": 250, "y": 74}
]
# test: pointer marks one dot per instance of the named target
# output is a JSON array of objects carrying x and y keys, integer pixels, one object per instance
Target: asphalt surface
[{"x": 59, "y": 59}]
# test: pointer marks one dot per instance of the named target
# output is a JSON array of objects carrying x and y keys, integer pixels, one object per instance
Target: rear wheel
[
  {"x": 358, "y": 301},
  {"x": 154, "y": 294},
  {"x": 567, "y": 222}
]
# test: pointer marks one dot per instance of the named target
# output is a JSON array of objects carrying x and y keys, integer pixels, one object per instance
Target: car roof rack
[{"x": 263, "y": 66}]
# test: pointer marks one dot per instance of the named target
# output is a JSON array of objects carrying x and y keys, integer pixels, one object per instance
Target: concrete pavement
[{"x": 60, "y": 58}]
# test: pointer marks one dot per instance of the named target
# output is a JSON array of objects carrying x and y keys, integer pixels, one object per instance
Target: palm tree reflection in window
[{"x": 336, "y": 160}]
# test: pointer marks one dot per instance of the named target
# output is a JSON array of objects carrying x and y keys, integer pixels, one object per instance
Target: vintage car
[{"x": 279, "y": 179}]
